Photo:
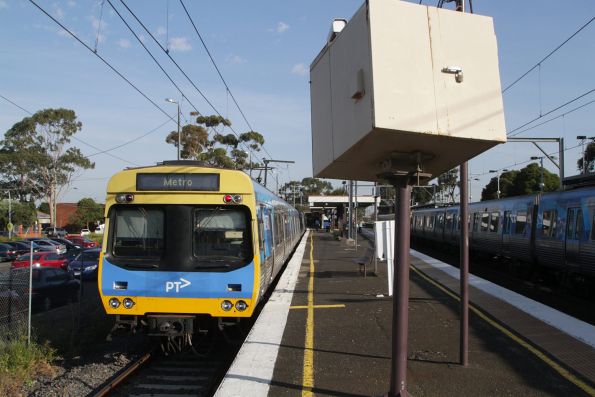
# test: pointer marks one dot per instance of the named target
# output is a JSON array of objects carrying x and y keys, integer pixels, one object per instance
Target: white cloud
[
  {"x": 161, "y": 31},
  {"x": 179, "y": 44},
  {"x": 236, "y": 59},
  {"x": 58, "y": 13},
  {"x": 282, "y": 27},
  {"x": 123, "y": 43},
  {"x": 3, "y": 4},
  {"x": 72, "y": 3},
  {"x": 300, "y": 69}
]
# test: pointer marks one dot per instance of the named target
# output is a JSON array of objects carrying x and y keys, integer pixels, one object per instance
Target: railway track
[{"x": 178, "y": 375}]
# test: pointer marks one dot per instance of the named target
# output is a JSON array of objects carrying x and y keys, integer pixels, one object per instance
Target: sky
[{"x": 263, "y": 50}]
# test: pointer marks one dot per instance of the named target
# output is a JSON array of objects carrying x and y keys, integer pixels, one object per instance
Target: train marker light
[
  {"x": 237, "y": 198},
  {"x": 228, "y": 198},
  {"x": 128, "y": 303},
  {"x": 241, "y": 306},
  {"x": 226, "y": 305},
  {"x": 114, "y": 303},
  {"x": 124, "y": 198}
]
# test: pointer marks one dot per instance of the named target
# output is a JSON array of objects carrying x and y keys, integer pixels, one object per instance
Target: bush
[{"x": 20, "y": 363}]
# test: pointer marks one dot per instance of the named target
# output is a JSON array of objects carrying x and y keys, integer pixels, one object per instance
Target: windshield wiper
[
  {"x": 212, "y": 266},
  {"x": 141, "y": 266}
]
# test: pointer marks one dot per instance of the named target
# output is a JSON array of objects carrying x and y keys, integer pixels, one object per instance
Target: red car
[
  {"x": 82, "y": 242},
  {"x": 41, "y": 259}
]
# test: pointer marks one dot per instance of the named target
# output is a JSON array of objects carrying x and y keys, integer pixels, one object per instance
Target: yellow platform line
[
  {"x": 318, "y": 307},
  {"x": 535, "y": 351},
  {"x": 308, "y": 373}
]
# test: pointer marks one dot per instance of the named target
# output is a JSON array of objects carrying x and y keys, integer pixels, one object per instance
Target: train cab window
[
  {"x": 494, "y": 221},
  {"x": 221, "y": 234},
  {"x": 485, "y": 220},
  {"x": 548, "y": 225},
  {"x": 139, "y": 232},
  {"x": 521, "y": 222}
]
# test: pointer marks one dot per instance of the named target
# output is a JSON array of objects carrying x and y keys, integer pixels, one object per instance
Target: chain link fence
[{"x": 14, "y": 303}]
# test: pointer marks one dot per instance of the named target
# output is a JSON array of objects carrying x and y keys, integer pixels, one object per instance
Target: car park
[
  {"x": 53, "y": 286},
  {"x": 88, "y": 261},
  {"x": 41, "y": 259}
]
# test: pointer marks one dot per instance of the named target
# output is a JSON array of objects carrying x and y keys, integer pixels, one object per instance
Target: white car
[{"x": 85, "y": 232}]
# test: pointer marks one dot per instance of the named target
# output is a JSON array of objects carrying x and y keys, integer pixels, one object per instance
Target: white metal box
[{"x": 402, "y": 77}]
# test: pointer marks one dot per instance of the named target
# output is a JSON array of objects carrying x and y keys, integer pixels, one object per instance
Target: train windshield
[
  {"x": 220, "y": 235},
  {"x": 180, "y": 237}
]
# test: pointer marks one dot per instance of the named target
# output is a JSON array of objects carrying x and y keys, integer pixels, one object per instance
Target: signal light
[{"x": 226, "y": 305}]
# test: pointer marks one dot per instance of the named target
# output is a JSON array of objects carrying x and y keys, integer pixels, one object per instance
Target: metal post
[
  {"x": 30, "y": 293},
  {"x": 398, "y": 385},
  {"x": 350, "y": 219},
  {"x": 179, "y": 133},
  {"x": 464, "y": 267},
  {"x": 375, "y": 220},
  {"x": 542, "y": 184},
  {"x": 9, "y": 215},
  {"x": 561, "y": 161},
  {"x": 266, "y": 169}
]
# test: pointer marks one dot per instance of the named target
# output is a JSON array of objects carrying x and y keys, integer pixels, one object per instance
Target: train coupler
[{"x": 170, "y": 325}]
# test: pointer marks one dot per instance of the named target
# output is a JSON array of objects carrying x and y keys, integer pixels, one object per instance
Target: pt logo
[{"x": 177, "y": 285}]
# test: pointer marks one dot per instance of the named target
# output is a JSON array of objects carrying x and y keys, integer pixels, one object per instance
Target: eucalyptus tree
[{"x": 37, "y": 158}]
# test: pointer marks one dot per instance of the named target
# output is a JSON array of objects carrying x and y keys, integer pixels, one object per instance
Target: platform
[{"x": 327, "y": 331}]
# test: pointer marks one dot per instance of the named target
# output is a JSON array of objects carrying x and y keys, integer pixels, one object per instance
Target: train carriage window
[
  {"x": 507, "y": 222},
  {"x": 485, "y": 220},
  {"x": 570, "y": 223},
  {"x": 448, "y": 223},
  {"x": 579, "y": 225},
  {"x": 431, "y": 222},
  {"x": 494, "y": 222},
  {"x": 548, "y": 225},
  {"x": 139, "y": 232},
  {"x": 440, "y": 221},
  {"x": 476, "y": 218},
  {"x": 261, "y": 228},
  {"x": 521, "y": 222},
  {"x": 593, "y": 228}
]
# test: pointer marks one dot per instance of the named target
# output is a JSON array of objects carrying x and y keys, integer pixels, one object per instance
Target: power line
[
  {"x": 510, "y": 133},
  {"x": 102, "y": 59},
  {"x": 548, "y": 55},
  {"x": 186, "y": 75}
]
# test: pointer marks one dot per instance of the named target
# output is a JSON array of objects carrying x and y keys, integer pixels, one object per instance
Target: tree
[
  {"x": 37, "y": 158},
  {"x": 520, "y": 183},
  {"x": 22, "y": 213},
  {"x": 507, "y": 180},
  {"x": 316, "y": 187},
  {"x": 44, "y": 207},
  {"x": 448, "y": 183},
  {"x": 87, "y": 212},
  {"x": 589, "y": 158}
]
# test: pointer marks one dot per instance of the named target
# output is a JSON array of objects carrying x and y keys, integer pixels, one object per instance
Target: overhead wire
[
  {"x": 548, "y": 55},
  {"x": 185, "y": 74}
]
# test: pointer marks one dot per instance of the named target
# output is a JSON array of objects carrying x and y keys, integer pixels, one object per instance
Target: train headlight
[
  {"x": 128, "y": 303},
  {"x": 226, "y": 305},
  {"x": 122, "y": 198},
  {"x": 241, "y": 306},
  {"x": 114, "y": 303}
]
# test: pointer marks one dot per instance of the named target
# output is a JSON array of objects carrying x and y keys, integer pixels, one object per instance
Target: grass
[{"x": 20, "y": 363}]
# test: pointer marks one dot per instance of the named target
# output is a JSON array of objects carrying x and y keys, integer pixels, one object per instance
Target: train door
[{"x": 574, "y": 226}]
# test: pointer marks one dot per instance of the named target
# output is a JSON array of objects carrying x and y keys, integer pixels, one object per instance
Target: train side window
[
  {"x": 507, "y": 221},
  {"x": 593, "y": 228},
  {"x": 448, "y": 224},
  {"x": 494, "y": 222},
  {"x": 579, "y": 225},
  {"x": 261, "y": 228},
  {"x": 570, "y": 223},
  {"x": 521, "y": 222},
  {"x": 431, "y": 222},
  {"x": 476, "y": 217},
  {"x": 485, "y": 219},
  {"x": 549, "y": 223}
]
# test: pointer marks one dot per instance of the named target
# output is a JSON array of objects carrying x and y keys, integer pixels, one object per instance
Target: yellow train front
[{"x": 184, "y": 244}]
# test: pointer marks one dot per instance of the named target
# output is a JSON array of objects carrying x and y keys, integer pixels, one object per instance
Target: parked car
[
  {"x": 46, "y": 242},
  {"x": 70, "y": 255},
  {"x": 67, "y": 243},
  {"x": 53, "y": 286},
  {"x": 85, "y": 232},
  {"x": 83, "y": 242},
  {"x": 7, "y": 253},
  {"x": 88, "y": 260},
  {"x": 41, "y": 259},
  {"x": 52, "y": 231},
  {"x": 24, "y": 247}
]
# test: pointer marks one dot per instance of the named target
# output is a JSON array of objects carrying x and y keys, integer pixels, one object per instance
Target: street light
[
  {"x": 540, "y": 158},
  {"x": 469, "y": 183},
  {"x": 170, "y": 100},
  {"x": 499, "y": 173},
  {"x": 583, "y": 138}
]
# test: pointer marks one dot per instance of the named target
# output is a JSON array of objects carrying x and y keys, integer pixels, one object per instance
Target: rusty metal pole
[
  {"x": 464, "y": 266},
  {"x": 398, "y": 385}
]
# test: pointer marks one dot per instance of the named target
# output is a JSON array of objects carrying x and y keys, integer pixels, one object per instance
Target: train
[
  {"x": 553, "y": 230},
  {"x": 186, "y": 245}
]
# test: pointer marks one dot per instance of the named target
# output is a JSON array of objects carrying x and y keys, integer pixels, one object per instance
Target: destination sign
[{"x": 200, "y": 182}]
